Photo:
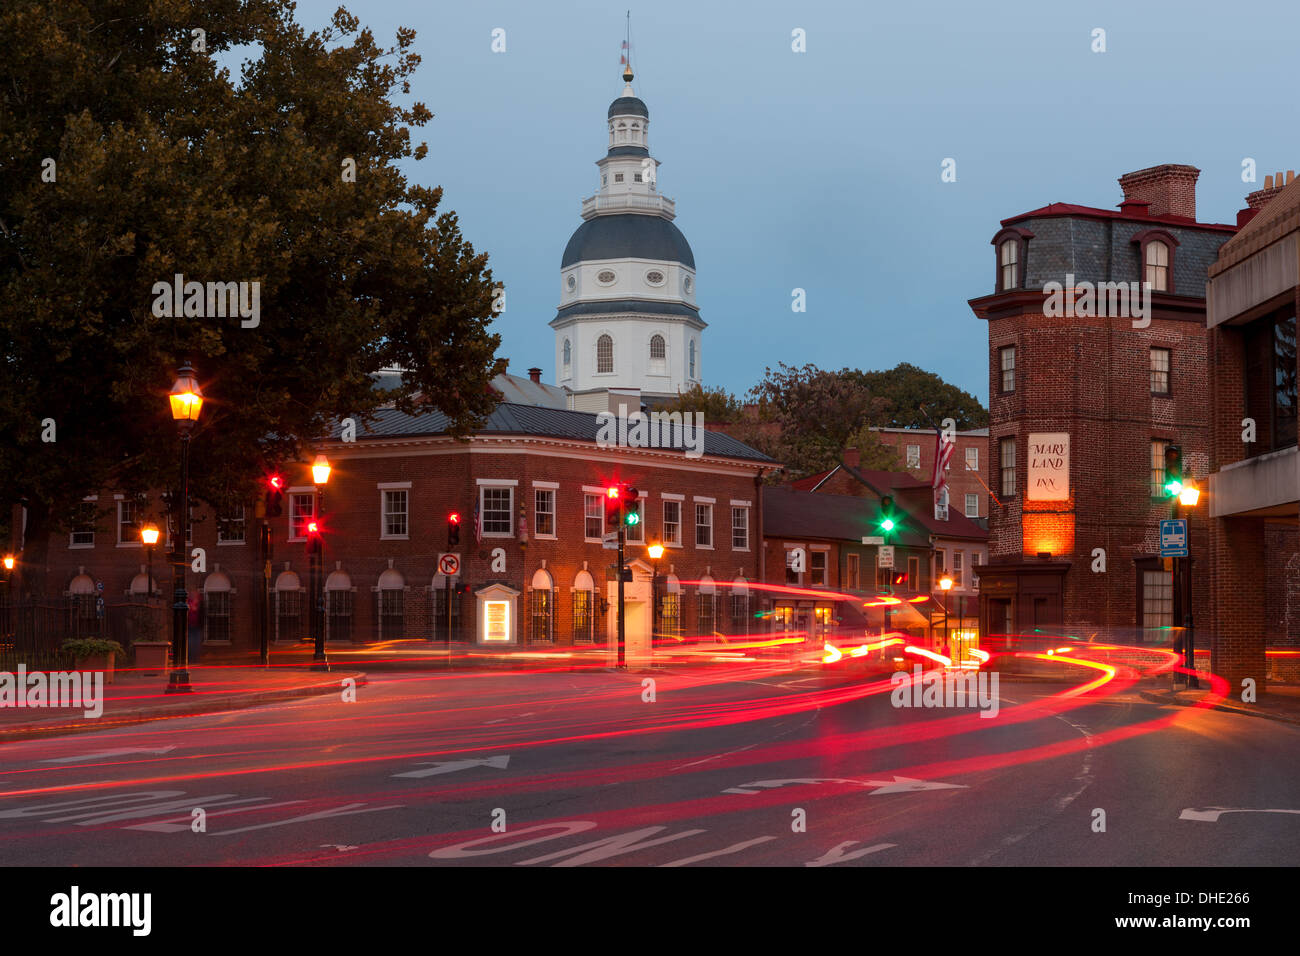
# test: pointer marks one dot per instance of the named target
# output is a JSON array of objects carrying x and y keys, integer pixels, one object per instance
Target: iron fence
[{"x": 32, "y": 630}]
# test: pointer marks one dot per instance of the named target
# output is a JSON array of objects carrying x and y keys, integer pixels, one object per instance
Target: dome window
[
  {"x": 604, "y": 355},
  {"x": 692, "y": 366},
  {"x": 606, "y": 277},
  {"x": 686, "y": 283},
  {"x": 654, "y": 277},
  {"x": 572, "y": 282},
  {"x": 658, "y": 355},
  {"x": 568, "y": 355}
]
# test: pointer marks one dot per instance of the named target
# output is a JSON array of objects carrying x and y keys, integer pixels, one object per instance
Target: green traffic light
[
  {"x": 887, "y": 524},
  {"x": 632, "y": 518},
  {"x": 1174, "y": 487}
]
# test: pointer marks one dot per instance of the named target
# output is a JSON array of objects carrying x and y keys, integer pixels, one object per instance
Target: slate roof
[
  {"x": 648, "y": 306},
  {"x": 801, "y": 514},
  {"x": 628, "y": 236},
  {"x": 628, "y": 106},
  {"x": 511, "y": 418}
]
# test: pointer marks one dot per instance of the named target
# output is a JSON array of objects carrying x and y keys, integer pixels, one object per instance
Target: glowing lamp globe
[
  {"x": 945, "y": 583},
  {"x": 320, "y": 470},
  {"x": 656, "y": 551},
  {"x": 186, "y": 398},
  {"x": 149, "y": 534}
]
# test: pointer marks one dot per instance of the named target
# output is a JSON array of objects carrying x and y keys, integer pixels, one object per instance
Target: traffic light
[
  {"x": 631, "y": 514},
  {"x": 274, "y": 496},
  {"x": 1173, "y": 470},
  {"x": 453, "y": 529},
  {"x": 613, "y": 506},
  {"x": 888, "y": 522}
]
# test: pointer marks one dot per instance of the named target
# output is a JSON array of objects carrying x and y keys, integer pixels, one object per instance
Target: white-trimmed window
[
  {"x": 739, "y": 529},
  {"x": 957, "y": 570},
  {"x": 817, "y": 568},
  {"x": 913, "y": 456},
  {"x": 1008, "y": 258},
  {"x": 396, "y": 503},
  {"x": 128, "y": 522},
  {"x": 972, "y": 506},
  {"x": 1007, "y": 366},
  {"x": 658, "y": 354},
  {"x": 604, "y": 355},
  {"x": 83, "y": 527},
  {"x": 1157, "y": 265},
  {"x": 496, "y": 510},
  {"x": 703, "y": 525},
  {"x": 1007, "y": 466},
  {"x": 302, "y": 508},
  {"x": 544, "y": 512},
  {"x": 230, "y": 526},
  {"x": 593, "y": 512},
  {"x": 972, "y": 458},
  {"x": 1159, "y": 371},
  {"x": 673, "y": 523}
]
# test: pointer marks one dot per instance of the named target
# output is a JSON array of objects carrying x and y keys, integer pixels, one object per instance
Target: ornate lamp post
[
  {"x": 945, "y": 585},
  {"x": 186, "y": 401},
  {"x": 320, "y": 475},
  {"x": 149, "y": 535},
  {"x": 656, "y": 551}
]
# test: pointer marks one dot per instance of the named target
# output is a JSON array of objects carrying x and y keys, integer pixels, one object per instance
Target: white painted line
[
  {"x": 111, "y": 753},
  {"x": 1212, "y": 814},
  {"x": 895, "y": 785},
  {"x": 451, "y": 766},
  {"x": 734, "y": 848},
  {"x": 836, "y": 854}
]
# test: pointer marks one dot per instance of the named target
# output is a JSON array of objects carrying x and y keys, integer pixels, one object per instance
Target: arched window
[
  {"x": 568, "y": 354},
  {"x": 622, "y": 132},
  {"x": 604, "y": 355},
  {"x": 1156, "y": 251},
  {"x": 1010, "y": 245},
  {"x": 338, "y": 606},
  {"x": 541, "y": 609},
  {"x": 692, "y": 367},
  {"x": 390, "y": 595},
  {"x": 290, "y": 623},
  {"x": 216, "y": 607},
  {"x": 740, "y": 606},
  {"x": 658, "y": 354},
  {"x": 584, "y": 608}
]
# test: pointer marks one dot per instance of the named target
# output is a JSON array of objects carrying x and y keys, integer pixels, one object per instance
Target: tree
[
  {"x": 921, "y": 399},
  {"x": 716, "y": 404},
  {"x": 128, "y": 157},
  {"x": 818, "y": 415}
]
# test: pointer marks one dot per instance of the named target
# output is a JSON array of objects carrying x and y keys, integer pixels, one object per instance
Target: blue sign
[{"x": 1173, "y": 538}]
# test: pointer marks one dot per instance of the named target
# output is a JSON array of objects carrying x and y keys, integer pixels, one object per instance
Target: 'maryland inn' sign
[{"x": 1049, "y": 466}]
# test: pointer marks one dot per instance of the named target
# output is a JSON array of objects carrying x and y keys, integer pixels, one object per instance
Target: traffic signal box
[
  {"x": 1173, "y": 470},
  {"x": 453, "y": 530}
]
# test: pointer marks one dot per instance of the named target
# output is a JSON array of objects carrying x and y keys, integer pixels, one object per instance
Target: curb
[
  {"x": 200, "y": 705},
  {"x": 1172, "y": 698}
]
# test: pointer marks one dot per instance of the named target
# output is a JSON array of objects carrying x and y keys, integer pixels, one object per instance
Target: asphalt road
[{"x": 734, "y": 766}]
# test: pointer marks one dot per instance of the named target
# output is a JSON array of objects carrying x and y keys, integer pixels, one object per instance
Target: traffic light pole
[
  {"x": 622, "y": 657},
  {"x": 264, "y": 536}
]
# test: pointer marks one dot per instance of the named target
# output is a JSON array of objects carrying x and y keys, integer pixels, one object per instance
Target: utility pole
[{"x": 622, "y": 658}]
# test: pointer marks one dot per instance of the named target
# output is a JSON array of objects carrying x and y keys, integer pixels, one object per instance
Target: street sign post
[
  {"x": 873, "y": 539},
  {"x": 610, "y": 541},
  {"x": 1173, "y": 538},
  {"x": 449, "y": 564},
  {"x": 886, "y": 556}
]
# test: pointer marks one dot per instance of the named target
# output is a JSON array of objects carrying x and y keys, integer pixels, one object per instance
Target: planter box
[
  {"x": 152, "y": 657},
  {"x": 98, "y": 662}
]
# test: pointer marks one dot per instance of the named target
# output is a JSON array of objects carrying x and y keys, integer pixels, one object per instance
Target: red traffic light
[
  {"x": 276, "y": 482},
  {"x": 612, "y": 491},
  {"x": 453, "y": 518},
  {"x": 313, "y": 527}
]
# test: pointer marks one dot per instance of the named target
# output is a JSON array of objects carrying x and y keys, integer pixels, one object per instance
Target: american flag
[
  {"x": 623, "y": 59},
  {"x": 478, "y": 526},
  {"x": 942, "y": 456}
]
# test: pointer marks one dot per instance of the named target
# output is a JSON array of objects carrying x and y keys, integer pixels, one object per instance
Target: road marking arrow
[
  {"x": 896, "y": 785},
  {"x": 1212, "y": 814},
  {"x": 451, "y": 766},
  {"x": 837, "y": 855},
  {"x": 111, "y": 753}
]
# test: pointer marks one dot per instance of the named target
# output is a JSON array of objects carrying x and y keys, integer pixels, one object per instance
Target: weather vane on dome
[{"x": 626, "y": 58}]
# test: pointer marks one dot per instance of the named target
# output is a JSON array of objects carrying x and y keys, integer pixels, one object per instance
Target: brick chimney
[
  {"x": 1168, "y": 190},
  {"x": 1261, "y": 197},
  {"x": 535, "y": 375}
]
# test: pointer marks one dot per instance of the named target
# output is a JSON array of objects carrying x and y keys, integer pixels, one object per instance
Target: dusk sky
[{"x": 821, "y": 170}]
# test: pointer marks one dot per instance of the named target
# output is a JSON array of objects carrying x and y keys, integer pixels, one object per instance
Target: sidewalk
[
  {"x": 1277, "y": 702},
  {"x": 135, "y": 698}
]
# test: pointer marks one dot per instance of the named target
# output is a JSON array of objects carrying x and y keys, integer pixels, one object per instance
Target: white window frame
[
  {"x": 509, "y": 488},
  {"x": 304, "y": 491},
  {"x": 743, "y": 513},
  {"x": 675, "y": 540},
  {"x": 976, "y": 512},
  {"x": 123, "y": 501},
  {"x": 598, "y": 516},
  {"x": 73, "y": 544},
  {"x": 913, "y": 456},
  {"x": 550, "y": 489},
  {"x": 704, "y": 503},
  {"x": 825, "y": 553},
  {"x": 242, "y": 521},
  {"x": 385, "y": 490},
  {"x": 972, "y": 458}
]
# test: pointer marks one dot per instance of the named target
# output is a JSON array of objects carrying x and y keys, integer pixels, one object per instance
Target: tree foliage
[
  {"x": 716, "y": 404},
  {"x": 920, "y": 399},
  {"x": 164, "y": 164}
]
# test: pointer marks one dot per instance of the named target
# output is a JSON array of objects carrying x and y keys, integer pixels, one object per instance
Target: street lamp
[
  {"x": 945, "y": 585},
  {"x": 186, "y": 401},
  {"x": 1188, "y": 496},
  {"x": 320, "y": 474},
  {"x": 149, "y": 535},
  {"x": 656, "y": 551}
]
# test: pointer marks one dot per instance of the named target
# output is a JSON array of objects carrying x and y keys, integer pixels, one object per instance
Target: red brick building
[
  {"x": 1097, "y": 364},
  {"x": 967, "y": 472},
  {"x": 538, "y": 575},
  {"x": 1254, "y": 484}
]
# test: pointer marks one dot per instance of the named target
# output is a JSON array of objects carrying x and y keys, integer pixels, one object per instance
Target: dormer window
[
  {"x": 1010, "y": 245},
  {"x": 1156, "y": 255}
]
